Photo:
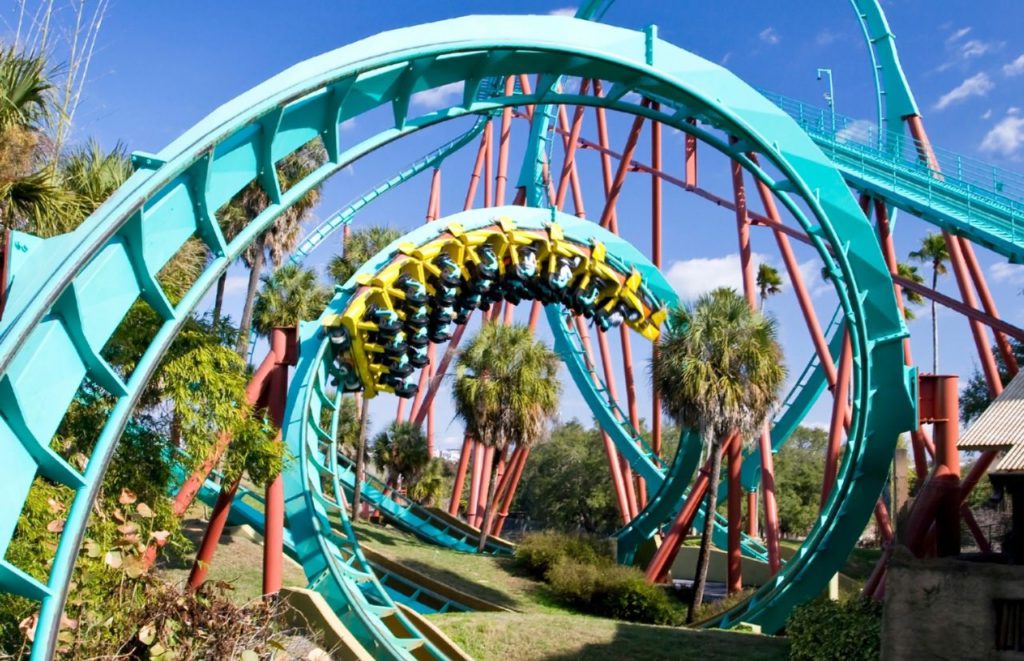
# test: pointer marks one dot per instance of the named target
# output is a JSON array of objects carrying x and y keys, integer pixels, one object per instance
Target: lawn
[{"x": 563, "y": 636}]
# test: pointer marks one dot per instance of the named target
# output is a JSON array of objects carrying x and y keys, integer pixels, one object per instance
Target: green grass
[
  {"x": 237, "y": 560},
  {"x": 504, "y": 636},
  {"x": 486, "y": 577}
]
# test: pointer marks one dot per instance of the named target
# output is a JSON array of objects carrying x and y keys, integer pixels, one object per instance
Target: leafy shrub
[
  {"x": 822, "y": 630},
  {"x": 539, "y": 552},
  {"x": 614, "y": 591}
]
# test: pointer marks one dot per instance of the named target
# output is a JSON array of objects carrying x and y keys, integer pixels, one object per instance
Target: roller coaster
[{"x": 67, "y": 295}]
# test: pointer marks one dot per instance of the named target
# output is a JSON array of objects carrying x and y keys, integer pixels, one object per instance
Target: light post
[{"x": 830, "y": 96}]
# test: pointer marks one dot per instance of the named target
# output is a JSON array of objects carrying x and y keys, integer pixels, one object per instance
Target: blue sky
[{"x": 160, "y": 67}]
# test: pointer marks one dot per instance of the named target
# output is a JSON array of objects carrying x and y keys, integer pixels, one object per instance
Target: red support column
[
  {"x": 570, "y": 143},
  {"x": 666, "y": 553},
  {"x": 835, "y": 429},
  {"x": 214, "y": 529},
  {"x": 691, "y": 159},
  {"x": 485, "y": 482},
  {"x": 460, "y": 476},
  {"x": 771, "y": 510},
  {"x": 989, "y": 305},
  {"x": 618, "y": 481},
  {"x": 750, "y": 291},
  {"x": 516, "y": 473},
  {"x": 506, "y": 134},
  {"x": 735, "y": 579},
  {"x": 474, "y": 179},
  {"x": 489, "y": 165}
]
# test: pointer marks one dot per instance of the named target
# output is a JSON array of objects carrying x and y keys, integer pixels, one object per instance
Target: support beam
[{"x": 460, "y": 476}]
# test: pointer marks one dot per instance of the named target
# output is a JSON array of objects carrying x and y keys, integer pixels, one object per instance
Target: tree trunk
[
  {"x": 488, "y": 514},
  {"x": 218, "y": 300},
  {"x": 701, "y": 575},
  {"x": 250, "y": 295},
  {"x": 935, "y": 324},
  {"x": 357, "y": 491}
]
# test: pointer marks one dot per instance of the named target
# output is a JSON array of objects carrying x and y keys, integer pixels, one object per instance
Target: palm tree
[
  {"x": 910, "y": 297},
  {"x": 935, "y": 251},
  {"x": 431, "y": 484},
  {"x": 281, "y": 237},
  {"x": 360, "y": 246},
  {"x": 289, "y": 294},
  {"x": 769, "y": 282},
  {"x": 401, "y": 451},
  {"x": 719, "y": 368},
  {"x": 30, "y": 194},
  {"x": 506, "y": 390}
]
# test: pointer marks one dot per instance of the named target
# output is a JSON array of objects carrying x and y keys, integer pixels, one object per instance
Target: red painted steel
[
  {"x": 474, "y": 487},
  {"x": 734, "y": 581},
  {"x": 835, "y": 429},
  {"x": 460, "y": 476},
  {"x": 663, "y": 558}
]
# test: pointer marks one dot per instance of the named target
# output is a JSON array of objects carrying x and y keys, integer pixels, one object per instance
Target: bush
[
  {"x": 849, "y": 630},
  {"x": 539, "y": 552},
  {"x": 614, "y": 591}
]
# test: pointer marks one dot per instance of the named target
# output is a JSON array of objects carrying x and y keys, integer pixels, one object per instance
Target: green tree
[
  {"x": 506, "y": 390},
  {"x": 400, "y": 451},
  {"x": 360, "y": 246},
  {"x": 934, "y": 251},
  {"x": 719, "y": 368},
  {"x": 289, "y": 294},
  {"x": 910, "y": 297},
  {"x": 799, "y": 472},
  {"x": 975, "y": 397},
  {"x": 769, "y": 282},
  {"x": 31, "y": 198},
  {"x": 563, "y": 485},
  {"x": 433, "y": 482},
  {"x": 283, "y": 234}
]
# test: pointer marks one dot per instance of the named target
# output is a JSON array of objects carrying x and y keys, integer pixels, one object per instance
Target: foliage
[
  {"x": 506, "y": 390},
  {"x": 719, "y": 368},
  {"x": 975, "y": 398},
  {"x": 612, "y": 590},
  {"x": 289, "y": 295},
  {"x": 564, "y": 483},
  {"x": 360, "y": 246},
  {"x": 910, "y": 297},
  {"x": 847, "y": 630},
  {"x": 769, "y": 281},
  {"x": 401, "y": 452},
  {"x": 583, "y": 575},
  {"x": 205, "y": 624},
  {"x": 934, "y": 251},
  {"x": 348, "y": 425},
  {"x": 433, "y": 482},
  {"x": 799, "y": 471},
  {"x": 538, "y": 552}
]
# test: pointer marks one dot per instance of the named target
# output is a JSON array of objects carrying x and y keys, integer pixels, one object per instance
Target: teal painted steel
[{"x": 71, "y": 296}]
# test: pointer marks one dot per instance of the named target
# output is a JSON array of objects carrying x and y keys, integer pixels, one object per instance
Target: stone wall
[{"x": 945, "y": 608}]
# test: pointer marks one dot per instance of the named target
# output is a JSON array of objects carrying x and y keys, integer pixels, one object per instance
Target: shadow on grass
[
  {"x": 648, "y": 642},
  {"x": 460, "y": 584}
]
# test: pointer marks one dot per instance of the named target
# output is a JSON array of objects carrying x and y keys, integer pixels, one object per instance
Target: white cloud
[
  {"x": 1008, "y": 273},
  {"x": 436, "y": 97},
  {"x": 825, "y": 37},
  {"x": 769, "y": 36},
  {"x": 725, "y": 58},
  {"x": 693, "y": 277},
  {"x": 859, "y": 130},
  {"x": 1014, "y": 68},
  {"x": 987, "y": 114},
  {"x": 1007, "y": 136},
  {"x": 563, "y": 11},
  {"x": 977, "y": 85},
  {"x": 958, "y": 35},
  {"x": 975, "y": 48}
]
